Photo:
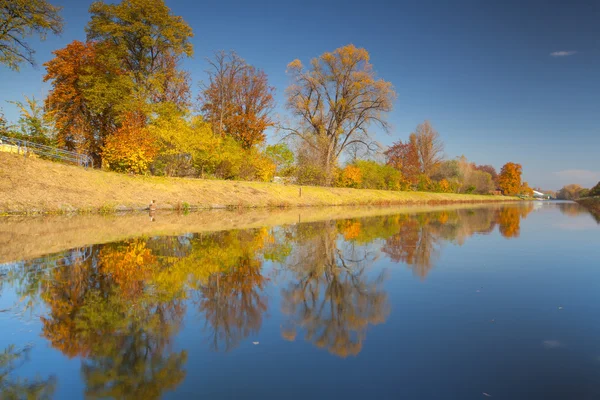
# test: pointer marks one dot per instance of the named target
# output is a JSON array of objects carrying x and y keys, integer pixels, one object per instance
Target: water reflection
[
  {"x": 118, "y": 306},
  {"x": 329, "y": 296},
  {"x": 11, "y": 359}
]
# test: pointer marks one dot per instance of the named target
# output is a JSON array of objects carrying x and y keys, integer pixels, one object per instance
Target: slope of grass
[{"x": 32, "y": 186}]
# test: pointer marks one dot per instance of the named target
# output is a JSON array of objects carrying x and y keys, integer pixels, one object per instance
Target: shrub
[
  {"x": 130, "y": 148},
  {"x": 351, "y": 176}
]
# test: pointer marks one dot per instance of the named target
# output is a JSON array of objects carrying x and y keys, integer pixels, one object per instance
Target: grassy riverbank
[{"x": 38, "y": 186}]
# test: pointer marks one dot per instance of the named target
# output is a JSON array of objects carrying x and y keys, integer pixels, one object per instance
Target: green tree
[
  {"x": 281, "y": 155},
  {"x": 20, "y": 19},
  {"x": 33, "y": 124}
]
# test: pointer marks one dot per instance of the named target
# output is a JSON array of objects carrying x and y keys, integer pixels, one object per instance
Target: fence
[{"x": 26, "y": 147}]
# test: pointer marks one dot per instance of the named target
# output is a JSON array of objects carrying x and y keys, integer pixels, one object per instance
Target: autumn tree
[
  {"x": 405, "y": 158},
  {"x": 84, "y": 97},
  {"x": 335, "y": 103},
  {"x": 130, "y": 148},
  {"x": 20, "y": 19},
  {"x": 237, "y": 100},
  {"x": 509, "y": 179},
  {"x": 146, "y": 38},
  {"x": 490, "y": 170},
  {"x": 430, "y": 148},
  {"x": 526, "y": 190},
  {"x": 570, "y": 192}
]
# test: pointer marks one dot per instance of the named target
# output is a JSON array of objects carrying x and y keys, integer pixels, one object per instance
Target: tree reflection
[
  {"x": 119, "y": 305},
  {"x": 415, "y": 244},
  {"x": 111, "y": 310},
  {"x": 509, "y": 219},
  {"x": 331, "y": 297},
  {"x": 233, "y": 304},
  {"x": 15, "y": 389}
]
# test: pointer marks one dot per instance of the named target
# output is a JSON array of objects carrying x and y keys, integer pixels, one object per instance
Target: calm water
[{"x": 500, "y": 301}]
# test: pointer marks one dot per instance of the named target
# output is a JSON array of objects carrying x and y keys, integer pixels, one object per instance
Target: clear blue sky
[{"x": 481, "y": 71}]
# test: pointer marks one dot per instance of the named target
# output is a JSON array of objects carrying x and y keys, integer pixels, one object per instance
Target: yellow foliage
[
  {"x": 131, "y": 148},
  {"x": 351, "y": 176}
]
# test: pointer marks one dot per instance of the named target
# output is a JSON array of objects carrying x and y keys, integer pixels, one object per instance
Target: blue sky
[{"x": 501, "y": 81}]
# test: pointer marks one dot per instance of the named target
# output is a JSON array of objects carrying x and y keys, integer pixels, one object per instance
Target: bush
[
  {"x": 366, "y": 174},
  {"x": 351, "y": 177},
  {"x": 130, "y": 148}
]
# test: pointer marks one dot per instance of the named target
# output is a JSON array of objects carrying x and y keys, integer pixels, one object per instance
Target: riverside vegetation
[{"x": 122, "y": 98}]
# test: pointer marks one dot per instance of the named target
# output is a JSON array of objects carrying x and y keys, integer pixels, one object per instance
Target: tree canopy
[{"x": 20, "y": 19}]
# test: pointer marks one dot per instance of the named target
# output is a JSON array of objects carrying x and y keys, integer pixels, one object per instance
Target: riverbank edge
[
  {"x": 39, "y": 187},
  {"x": 591, "y": 203},
  {"x": 28, "y": 237}
]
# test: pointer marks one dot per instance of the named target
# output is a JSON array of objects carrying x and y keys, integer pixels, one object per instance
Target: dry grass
[
  {"x": 27, "y": 237},
  {"x": 30, "y": 185}
]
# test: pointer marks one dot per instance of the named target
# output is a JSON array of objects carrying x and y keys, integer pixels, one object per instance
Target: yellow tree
[
  {"x": 509, "y": 180},
  {"x": 336, "y": 102}
]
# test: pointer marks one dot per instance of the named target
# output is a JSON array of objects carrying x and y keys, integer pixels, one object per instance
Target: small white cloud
[
  {"x": 551, "y": 344},
  {"x": 563, "y": 53},
  {"x": 581, "y": 177}
]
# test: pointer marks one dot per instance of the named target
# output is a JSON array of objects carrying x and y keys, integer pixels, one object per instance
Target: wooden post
[{"x": 300, "y": 191}]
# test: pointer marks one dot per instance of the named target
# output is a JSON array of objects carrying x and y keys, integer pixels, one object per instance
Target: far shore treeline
[{"x": 122, "y": 98}]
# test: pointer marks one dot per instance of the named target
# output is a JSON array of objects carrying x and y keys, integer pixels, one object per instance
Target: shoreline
[
  {"x": 27, "y": 237},
  {"x": 37, "y": 187}
]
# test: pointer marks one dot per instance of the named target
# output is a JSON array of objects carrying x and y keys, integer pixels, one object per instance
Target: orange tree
[{"x": 509, "y": 180}]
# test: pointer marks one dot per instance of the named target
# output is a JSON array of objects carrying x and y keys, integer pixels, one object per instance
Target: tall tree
[
  {"x": 509, "y": 180},
  {"x": 336, "y": 101},
  {"x": 405, "y": 158},
  {"x": 570, "y": 192},
  {"x": 20, "y": 19},
  {"x": 85, "y": 95},
  {"x": 237, "y": 100},
  {"x": 430, "y": 148},
  {"x": 145, "y": 37}
]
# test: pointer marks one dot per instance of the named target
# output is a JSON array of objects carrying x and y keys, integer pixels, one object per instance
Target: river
[{"x": 453, "y": 302}]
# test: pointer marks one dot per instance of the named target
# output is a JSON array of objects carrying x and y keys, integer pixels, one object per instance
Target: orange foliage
[
  {"x": 131, "y": 148},
  {"x": 445, "y": 186},
  {"x": 509, "y": 179},
  {"x": 78, "y": 127},
  {"x": 351, "y": 230},
  {"x": 129, "y": 267},
  {"x": 238, "y": 100}
]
